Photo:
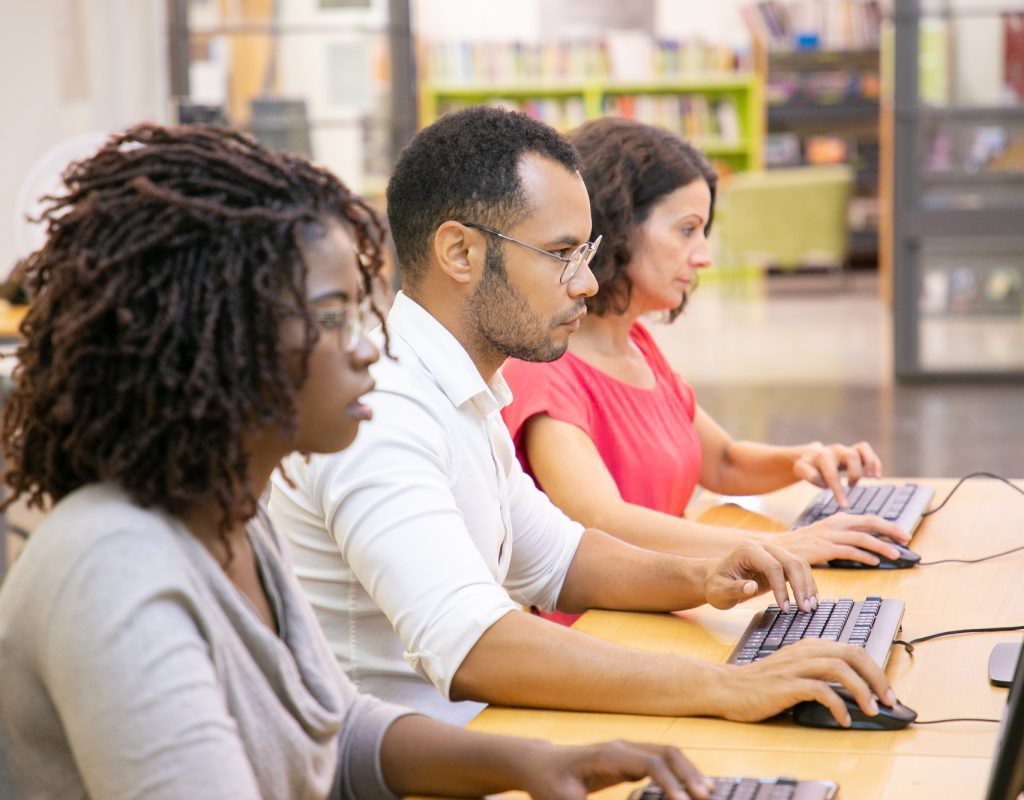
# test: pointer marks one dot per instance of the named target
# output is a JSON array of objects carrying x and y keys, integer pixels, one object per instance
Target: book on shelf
[
  {"x": 976, "y": 149},
  {"x": 692, "y": 116},
  {"x": 824, "y": 87},
  {"x": 1013, "y": 53},
  {"x": 626, "y": 55},
  {"x": 825, "y": 149},
  {"x": 815, "y": 24},
  {"x": 782, "y": 150},
  {"x": 993, "y": 288},
  {"x": 933, "y": 63},
  {"x": 561, "y": 113}
]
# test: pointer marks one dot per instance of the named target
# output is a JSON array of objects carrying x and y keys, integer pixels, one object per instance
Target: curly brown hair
[
  {"x": 628, "y": 167},
  {"x": 152, "y": 340}
]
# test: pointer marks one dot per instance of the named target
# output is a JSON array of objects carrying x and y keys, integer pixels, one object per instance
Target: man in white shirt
[{"x": 419, "y": 545}]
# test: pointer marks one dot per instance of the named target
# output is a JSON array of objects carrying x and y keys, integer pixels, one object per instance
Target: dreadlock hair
[
  {"x": 152, "y": 340},
  {"x": 628, "y": 167}
]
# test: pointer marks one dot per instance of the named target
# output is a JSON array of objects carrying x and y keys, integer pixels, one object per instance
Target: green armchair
[{"x": 784, "y": 218}]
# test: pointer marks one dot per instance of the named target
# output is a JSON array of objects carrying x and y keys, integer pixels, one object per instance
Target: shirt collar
[{"x": 445, "y": 358}]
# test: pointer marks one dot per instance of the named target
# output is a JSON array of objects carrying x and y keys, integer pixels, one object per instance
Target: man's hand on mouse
[{"x": 802, "y": 671}]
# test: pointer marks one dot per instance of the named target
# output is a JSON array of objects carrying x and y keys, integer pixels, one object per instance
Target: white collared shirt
[{"x": 421, "y": 535}]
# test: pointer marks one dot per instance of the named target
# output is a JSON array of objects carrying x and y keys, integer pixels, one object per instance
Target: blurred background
[{"x": 869, "y": 258}]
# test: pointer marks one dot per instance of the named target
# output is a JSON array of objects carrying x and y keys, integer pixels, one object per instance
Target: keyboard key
[
  {"x": 860, "y": 497},
  {"x": 878, "y": 500}
]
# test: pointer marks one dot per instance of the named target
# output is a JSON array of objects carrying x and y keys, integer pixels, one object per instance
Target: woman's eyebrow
[{"x": 336, "y": 294}]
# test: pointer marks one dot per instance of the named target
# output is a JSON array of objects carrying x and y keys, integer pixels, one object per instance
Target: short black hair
[
  {"x": 465, "y": 167},
  {"x": 152, "y": 342},
  {"x": 628, "y": 167}
]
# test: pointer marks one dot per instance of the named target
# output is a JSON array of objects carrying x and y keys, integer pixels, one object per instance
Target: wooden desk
[
  {"x": 944, "y": 678},
  {"x": 10, "y": 319}
]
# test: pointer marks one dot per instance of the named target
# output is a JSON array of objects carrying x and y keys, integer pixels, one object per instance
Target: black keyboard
[
  {"x": 871, "y": 623},
  {"x": 900, "y": 504},
  {"x": 759, "y": 789}
]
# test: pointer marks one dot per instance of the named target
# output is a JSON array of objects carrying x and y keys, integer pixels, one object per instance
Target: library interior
[{"x": 861, "y": 281}]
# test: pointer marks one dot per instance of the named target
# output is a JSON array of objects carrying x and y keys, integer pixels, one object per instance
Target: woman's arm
[
  {"x": 422, "y": 756},
  {"x": 568, "y": 467},
  {"x": 732, "y": 467}
]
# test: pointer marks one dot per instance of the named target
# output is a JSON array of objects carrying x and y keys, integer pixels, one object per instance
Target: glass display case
[{"x": 958, "y": 189}]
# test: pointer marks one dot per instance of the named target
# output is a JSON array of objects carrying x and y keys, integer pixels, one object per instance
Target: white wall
[{"x": 68, "y": 67}]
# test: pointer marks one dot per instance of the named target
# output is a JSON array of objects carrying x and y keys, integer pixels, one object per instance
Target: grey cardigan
[{"x": 131, "y": 667}]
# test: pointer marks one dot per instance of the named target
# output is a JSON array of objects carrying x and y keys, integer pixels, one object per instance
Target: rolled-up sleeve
[
  {"x": 545, "y": 544},
  {"x": 389, "y": 505}
]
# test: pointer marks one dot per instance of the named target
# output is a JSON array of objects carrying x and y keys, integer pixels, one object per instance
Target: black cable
[
  {"x": 968, "y": 476},
  {"x": 929, "y": 512},
  {"x": 969, "y": 560},
  {"x": 955, "y": 719},
  {"x": 909, "y": 646}
]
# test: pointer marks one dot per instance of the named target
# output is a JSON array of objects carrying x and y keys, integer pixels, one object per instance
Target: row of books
[
  {"x": 626, "y": 55},
  {"x": 561, "y": 113},
  {"x": 811, "y": 24},
  {"x": 789, "y": 149},
  {"x": 974, "y": 149},
  {"x": 823, "y": 87},
  {"x": 692, "y": 116},
  {"x": 996, "y": 288}
]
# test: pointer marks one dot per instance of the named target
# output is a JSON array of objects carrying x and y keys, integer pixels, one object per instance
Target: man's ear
[{"x": 459, "y": 251}]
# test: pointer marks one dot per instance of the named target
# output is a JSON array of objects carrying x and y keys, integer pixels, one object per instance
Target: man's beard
[{"x": 500, "y": 317}]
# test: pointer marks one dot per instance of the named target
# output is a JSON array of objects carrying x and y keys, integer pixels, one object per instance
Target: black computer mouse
[
  {"x": 907, "y": 558},
  {"x": 815, "y": 715}
]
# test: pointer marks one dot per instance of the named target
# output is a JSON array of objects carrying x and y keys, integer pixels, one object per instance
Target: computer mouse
[
  {"x": 907, "y": 558},
  {"x": 815, "y": 715}
]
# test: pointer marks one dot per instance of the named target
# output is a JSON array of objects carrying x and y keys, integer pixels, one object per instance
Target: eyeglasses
[
  {"x": 579, "y": 257},
  {"x": 351, "y": 322}
]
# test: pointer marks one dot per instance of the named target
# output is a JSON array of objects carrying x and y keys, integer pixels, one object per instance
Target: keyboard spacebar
[{"x": 885, "y": 629}]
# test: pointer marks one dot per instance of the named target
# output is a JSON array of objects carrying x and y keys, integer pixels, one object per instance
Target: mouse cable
[
  {"x": 955, "y": 719},
  {"x": 909, "y": 646},
  {"x": 969, "y": 475},
  {"x": 970, "y": 560}
]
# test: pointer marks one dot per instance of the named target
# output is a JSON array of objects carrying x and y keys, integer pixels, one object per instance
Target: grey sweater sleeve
[{"x": 359, "y": 774}]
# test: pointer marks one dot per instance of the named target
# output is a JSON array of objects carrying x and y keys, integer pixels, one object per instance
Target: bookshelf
[
  {"x": 958, "y": 195},
  {"x": 821, "y": 68},
  {"x": 823, "y": 108},
  {"x": 721, "y": 113}
]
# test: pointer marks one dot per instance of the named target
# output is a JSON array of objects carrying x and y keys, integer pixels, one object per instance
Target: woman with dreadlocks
[{"x": 196, "y": 315}]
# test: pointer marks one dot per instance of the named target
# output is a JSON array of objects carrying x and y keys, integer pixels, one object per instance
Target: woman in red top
[{"x": 609, "y": 431}]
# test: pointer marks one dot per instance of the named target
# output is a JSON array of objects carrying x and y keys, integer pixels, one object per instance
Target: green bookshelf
[{"x": 722, "y": 114}]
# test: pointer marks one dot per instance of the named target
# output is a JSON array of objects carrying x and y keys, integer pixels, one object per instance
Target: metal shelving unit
[
  {"x": 958, "y": 220},
  {"x": 832, "y": 94}
]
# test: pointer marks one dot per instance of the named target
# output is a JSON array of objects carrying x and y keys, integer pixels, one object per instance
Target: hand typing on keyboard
[
  {"x": 802, "y": 671},
  {"x": 849, "y": 536},
  {"x": 821, "y": 465},
  {"x": 752, "y": 569},
  {"x": 571, "y": 773}
]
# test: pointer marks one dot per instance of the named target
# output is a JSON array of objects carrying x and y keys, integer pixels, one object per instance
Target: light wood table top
[
  {"x": 944, "y": 678},
  {"x": 10, "y": 319}
]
